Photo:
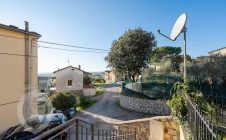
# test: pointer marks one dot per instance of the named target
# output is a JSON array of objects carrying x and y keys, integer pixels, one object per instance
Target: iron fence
[
  {"x": 77, "y": 129},
  {"x": 200, "y": 126}
]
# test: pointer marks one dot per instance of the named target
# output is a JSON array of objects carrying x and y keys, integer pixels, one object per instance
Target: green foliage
[
  {"x": 100, "y": 84},
  {"x": 209, "y": 109},
  {"x": 186, "y": 130},
  {"x": 160, "y": 52},
  {"x": 86, "y": 80},
  {"x": 130, "y": 52},
  {"x": 63, "y": 101},
  {"x": 168, "y": 58},
  {"x": 98, "y": 80},
  {"x": 208, "y": 67},
  {"x": 100, "y": 91},
  {"x": 83, "y": 102},
  {"x": 178, "y": 103}
]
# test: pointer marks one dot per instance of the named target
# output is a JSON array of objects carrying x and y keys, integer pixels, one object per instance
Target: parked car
[
  {"x": 42, "y": 98},
  {"x": 70, "y": 113},
  {"x": 119, "y": 82},
  {"x": 46, "y": 122},
  {"x": 54, "y": 117}
]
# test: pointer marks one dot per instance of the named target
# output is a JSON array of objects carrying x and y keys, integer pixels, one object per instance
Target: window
[{"x": 69, "y": 82}]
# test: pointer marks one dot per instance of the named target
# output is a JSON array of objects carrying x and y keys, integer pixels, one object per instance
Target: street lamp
[{"x": 180, "y": 27}]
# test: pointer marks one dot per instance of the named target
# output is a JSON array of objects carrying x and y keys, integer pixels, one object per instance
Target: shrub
[
  {"x": 99, "y": 91},
  {"x": 87, "y": 80},
  {"x": 178, "y": 103},
  {"x": 63, "y": 101},
  {"x": 83, "y": 102}
]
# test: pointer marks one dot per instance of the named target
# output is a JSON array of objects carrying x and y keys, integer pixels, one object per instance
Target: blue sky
[{"x": 96, "y": 23}]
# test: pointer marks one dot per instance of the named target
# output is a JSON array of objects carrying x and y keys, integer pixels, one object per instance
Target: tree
[
  {"x": 212, "y": 68},
  {"x": 131, "y": 52},
  {"x": 87, "y": 80},
  {"x": 159, "y": 52},
  {"x": 63, "y": 101}
]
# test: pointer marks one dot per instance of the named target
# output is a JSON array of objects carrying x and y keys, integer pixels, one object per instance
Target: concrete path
[{"x": 107, "y": 110}]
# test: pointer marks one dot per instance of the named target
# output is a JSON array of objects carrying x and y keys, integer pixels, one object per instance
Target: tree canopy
[
  {"x": 131, "y": 52},
  {"x": 159, "y": 52},
  {"x": 212, "y": 68}
]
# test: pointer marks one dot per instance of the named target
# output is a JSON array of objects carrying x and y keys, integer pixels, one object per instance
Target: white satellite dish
[{"x": 178, "y": 26}]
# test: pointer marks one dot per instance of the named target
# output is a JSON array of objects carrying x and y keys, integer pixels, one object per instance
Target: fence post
[
  {"x": 92, "y": 131},
  {"x": 77, "y": 129}
]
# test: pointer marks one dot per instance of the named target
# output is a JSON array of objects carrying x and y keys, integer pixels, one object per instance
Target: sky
[{"x": 96, "y": 23}]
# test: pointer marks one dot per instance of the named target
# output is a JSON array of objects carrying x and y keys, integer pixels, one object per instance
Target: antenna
[
  {"x": 179, "y": 27},
  {"x": 68, "y": 61}
]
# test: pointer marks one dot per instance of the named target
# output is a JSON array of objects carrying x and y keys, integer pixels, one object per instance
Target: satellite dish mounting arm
[{"x": 165, "y": 36}]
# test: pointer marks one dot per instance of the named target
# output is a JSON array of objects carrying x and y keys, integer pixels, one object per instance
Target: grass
[
  {"x": 84, "y": 103},
  {"x": 100, "y": 84},
  {"x": 100, "y": 91}
]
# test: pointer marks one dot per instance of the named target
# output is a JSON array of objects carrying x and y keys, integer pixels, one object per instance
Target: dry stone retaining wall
[{"x": 155, "y": 107}]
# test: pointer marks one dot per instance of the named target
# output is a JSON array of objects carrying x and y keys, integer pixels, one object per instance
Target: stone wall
[
  {"x": 155, "y": 107},
  {"x": 154, "y": 128}
]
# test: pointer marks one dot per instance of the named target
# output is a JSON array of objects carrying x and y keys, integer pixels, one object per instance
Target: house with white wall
[
  {"x": 221, "y": 51},
  {"x": 109, "y": 76},
  {"x": 70, "y": 79}
]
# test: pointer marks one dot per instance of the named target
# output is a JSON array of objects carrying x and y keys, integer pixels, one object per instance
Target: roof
[
  {"x": 107, "y": 71},
  {"x": 72, "y": 68},
  {"x": 217, "y": 50},
  {"x": 16, "y": 29}
]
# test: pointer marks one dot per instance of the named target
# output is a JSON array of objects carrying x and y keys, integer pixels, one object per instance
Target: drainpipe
[{"x": 27, "y": 84}]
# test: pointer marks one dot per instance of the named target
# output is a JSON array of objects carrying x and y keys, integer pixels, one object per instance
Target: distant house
[
  {"x": 109, "y": 76},
  {"x": 43, "y": 82},
  {"x": 221, "y": 51},
  {"x": 70, "y": 79}
]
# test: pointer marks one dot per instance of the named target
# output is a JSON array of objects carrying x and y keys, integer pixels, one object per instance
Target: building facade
[
  {"x": 69, "y": 79},
  {"x": 43, "y": 83},
  {"x": 18, "y": 72},
  {"x": 221, "y": 51},
  {"x": 109, "y": 76}
]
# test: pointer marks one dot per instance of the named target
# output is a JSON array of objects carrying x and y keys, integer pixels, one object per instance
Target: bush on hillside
[{"x": 63, "y": 101}]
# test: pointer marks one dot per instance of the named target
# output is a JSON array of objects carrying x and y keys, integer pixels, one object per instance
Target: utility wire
[
  {"x": 40, "y": 46},
  {"x": 61, "y": 44},
  {"x": 73, "y": 46}
]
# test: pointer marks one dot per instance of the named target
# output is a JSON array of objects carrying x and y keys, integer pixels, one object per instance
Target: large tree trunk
[{"x": 133, "y": 77}]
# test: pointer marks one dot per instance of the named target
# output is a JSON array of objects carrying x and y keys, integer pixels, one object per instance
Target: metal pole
[
  {"x": 185, "y": 55},
  {"x": 77, "y": 129},
  {"x": 92, "y": 132},
  {"x": 141, "y": 81}
]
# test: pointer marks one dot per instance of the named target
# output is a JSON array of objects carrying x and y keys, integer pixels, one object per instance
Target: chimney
[{"x": 79, "y": 67}]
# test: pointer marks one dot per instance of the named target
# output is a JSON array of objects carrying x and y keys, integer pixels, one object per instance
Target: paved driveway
[{"x": 107, "y": 110}]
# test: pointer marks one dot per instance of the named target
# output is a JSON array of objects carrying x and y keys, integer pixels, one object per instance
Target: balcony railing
[{"x": 77, "y": 129}]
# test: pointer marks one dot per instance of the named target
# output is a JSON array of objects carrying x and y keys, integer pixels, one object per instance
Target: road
[{"x": 107, "y": 110}]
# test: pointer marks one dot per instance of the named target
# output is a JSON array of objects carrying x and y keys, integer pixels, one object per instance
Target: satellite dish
[{"x": 178, "y": 26}]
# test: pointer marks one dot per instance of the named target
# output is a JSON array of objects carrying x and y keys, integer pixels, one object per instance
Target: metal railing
[
  {"x": 77, "y": 129},
  {"x": 200, "y": 126}
]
